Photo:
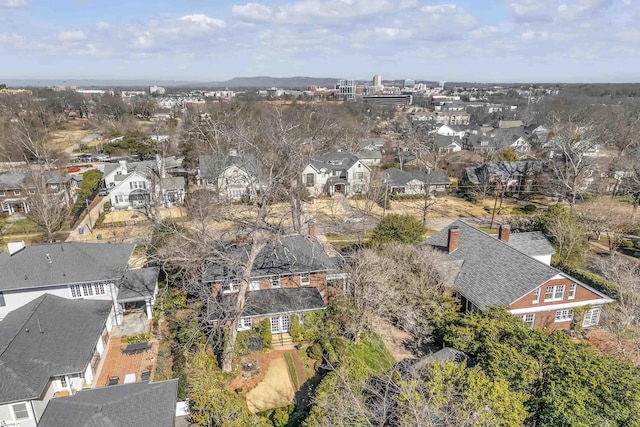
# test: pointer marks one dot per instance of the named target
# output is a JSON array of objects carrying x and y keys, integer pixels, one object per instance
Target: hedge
[
  {"x": 90, "y": 183},
  {"x": 591, "y": 279}
]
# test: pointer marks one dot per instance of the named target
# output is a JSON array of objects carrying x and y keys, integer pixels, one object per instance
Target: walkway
[
  {"x": 605, "y": 249},
  {"x": 118, "y": 364},
  {"x": 275, "y": 390},
  {"x": 88, "y": 221}
]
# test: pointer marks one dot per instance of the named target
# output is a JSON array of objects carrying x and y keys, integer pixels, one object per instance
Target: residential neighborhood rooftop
[
  {"x": 47, "y": 337},
  {"x": 134, "y": 404},
  {"x": 66, "y": 262}
]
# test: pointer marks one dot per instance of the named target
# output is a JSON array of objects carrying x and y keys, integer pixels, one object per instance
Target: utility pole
[
  {"x": 495, "y": 203},
  {"x": 386, "y": 195},
  {"x": 89, "y": 216}
]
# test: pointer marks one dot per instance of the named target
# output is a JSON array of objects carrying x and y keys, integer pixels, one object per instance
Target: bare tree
[{"x": 48, "y": 202}]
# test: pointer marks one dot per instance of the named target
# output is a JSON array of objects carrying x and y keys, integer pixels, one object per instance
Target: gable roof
[
  {"x": 397, "y": 178},
  {"x": 335, "y": 161},
  {"x": 71, "y": 262},
  {"x": 28, "y": 357},
  {"x": 20, "y": 180},
  {"x": 134, "y": 404},
  {"x": 532, "y": 243},
  {"x": 444, "y": 141},
  {"x": 493, "y": 273},
  {"x": 139, "y": 284},
  {"x": 285, "y": 255},
  {"x": 272, "y": 301},
  {"x": 211, "y": 166}
]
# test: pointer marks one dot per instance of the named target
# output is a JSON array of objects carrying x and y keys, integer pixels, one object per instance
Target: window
[
  {"x": 311, "y": 180},
  {"x": 254, "y": 285},
  {"x": 244, "y": 324},
  {"x": 591, "y": 317},
  {"x": 20, "y": 411},
  {"x": 87, "y": 289},
  {"x": 2, "y": 302},
  {"x": 305, "y": 279},
  {"x": 232, "y": 285},
  {"x": 529, "y": 319},
  {"x": 75, "y": 291},
  {"x": 99, "y": 288},
  {"x": 360, "y": 175},
  {"x": 63, "y": 381},
  {"x": 536, "y": 295},
  {"x": 564, "y": 315},
  {"x": 16, "y": 192},
  {"x": 275, "y": 281},
  {"x": 1, "y": 192},
  {"x": 554, "y": 293},
  {"x": 572, "y": 291}
]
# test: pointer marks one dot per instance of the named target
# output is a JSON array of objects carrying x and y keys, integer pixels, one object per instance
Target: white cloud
[
  {"x": 102, "y": 26},
  {"x": 631, "y": 35},
  {"x": 532, "y": 10},
  {"x": 71, "y": 36},
  {"x": 13, "y": 4},
  {"x": 170, "y": 33},
  {"x": 449, "y": 13},
  {"x": 313, "y": 11},
  {"x": 582, "y": 8}
]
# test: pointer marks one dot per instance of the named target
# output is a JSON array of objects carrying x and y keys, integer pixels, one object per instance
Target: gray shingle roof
[
  {"x": 336, "y": 161},
  {"x": 506, "y": 170},
  {"x": 274, "y": 301},
  {"x": 71, "y": 262},
  {"x": 532, "y": 243},
  {"x": 140, "y": 404},
  {"x": 285, "y": 255},
  {"x": 493, "y": 273},
  {"x": 139, "y": 284},
  {"x": 20, "y": 180},
  {"x": 28, "y": 358}
]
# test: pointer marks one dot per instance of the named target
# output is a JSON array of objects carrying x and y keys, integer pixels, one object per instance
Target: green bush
[
  {"x": 100, "y": 220},
  {"x": 637, "y": 244},
  {"x": 133, "y": 339},
  {"x": 591, "y": 279},
  {"x": 295, "y": 330},
  {"x": 398, "y": 228},
  {"x": 90, "y": 182},
  {"x": 107, "y": 206},
  {"x": 529, "y": 208},
  {"x": 242, "y": 344},
  {"x": 292, "y": 370},
  {"x": 626, "y": 243},
  {"x": 315, "y": 351},
  {"x": 265, "y": 332}
]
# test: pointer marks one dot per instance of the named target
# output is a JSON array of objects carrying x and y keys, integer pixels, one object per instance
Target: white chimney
[
  {"x": 15, "y": 247},
  {"x": 123, "y": 167}
]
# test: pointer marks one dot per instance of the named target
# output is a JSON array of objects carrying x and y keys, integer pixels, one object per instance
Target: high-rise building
[
  {"x": 409, "y": 84},
  {"x": 346, "y": 88},
  {"x": 377, "y": 80}
]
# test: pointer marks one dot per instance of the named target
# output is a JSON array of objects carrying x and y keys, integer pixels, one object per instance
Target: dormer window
[
  {"x": 233, "y": 285},
  {"x": 275, "y": 281}
]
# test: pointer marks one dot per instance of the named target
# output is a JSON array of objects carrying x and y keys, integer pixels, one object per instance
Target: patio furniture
[
  {"x": 130, "y": 378},
  {"x": 136, "y": 348},
  {"x": 113, "y": 380},
  {"x": 145, "y": 375}
]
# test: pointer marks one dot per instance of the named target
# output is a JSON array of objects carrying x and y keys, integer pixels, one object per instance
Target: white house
[
  {"x": 132, "y": 185},
  {"x": 82, "y": 271},
  {"x": 452, "y": 130},
  {"x": 48, "y": 346},
  {"x": 337, "y": 172},
  {"x": 231, "y": 176}
]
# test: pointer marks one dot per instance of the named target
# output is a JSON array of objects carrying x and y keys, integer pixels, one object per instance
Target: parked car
[
  {"x": 83, "y": 158},
  {"x": 102, "y": 157},
  {"x": 103, "y": 192}
]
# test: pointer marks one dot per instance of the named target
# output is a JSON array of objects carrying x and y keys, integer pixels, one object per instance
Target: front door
[{"x": 280, "y": 324}]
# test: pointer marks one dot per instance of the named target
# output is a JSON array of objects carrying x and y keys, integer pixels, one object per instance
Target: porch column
[
  {"x": 148, "y": 306},
  {"x": 25, "y": 208}
]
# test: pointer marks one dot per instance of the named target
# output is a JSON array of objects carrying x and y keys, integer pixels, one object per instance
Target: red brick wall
[
  {"x": 546, "y": 319},
  {"x": 582, "y": 294},
  {"x": 318, "y": 280}
]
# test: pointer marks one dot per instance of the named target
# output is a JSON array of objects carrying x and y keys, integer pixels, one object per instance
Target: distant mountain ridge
[{"x": 268, "y": 82}]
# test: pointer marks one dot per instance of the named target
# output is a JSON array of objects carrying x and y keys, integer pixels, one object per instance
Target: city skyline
[{"x": 204, "y": 41}]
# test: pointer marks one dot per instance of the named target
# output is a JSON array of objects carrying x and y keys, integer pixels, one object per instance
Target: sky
[{"x": 214, "y": 40}]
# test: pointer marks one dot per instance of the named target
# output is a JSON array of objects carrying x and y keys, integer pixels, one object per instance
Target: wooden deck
[{"x": 118, "y": 364}]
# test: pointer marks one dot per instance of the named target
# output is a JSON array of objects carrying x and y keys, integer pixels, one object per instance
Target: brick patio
[{"x": 118, "y": 364}]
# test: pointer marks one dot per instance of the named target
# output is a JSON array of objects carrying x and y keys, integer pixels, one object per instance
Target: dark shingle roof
[
  {"x": 140, "y": 404},
  {"x": 274, "y": 301},
  {"x": 532, "y": 243},
  {"x": 285, "y": 255},
  {"x": 492, "y": 273},
  {"x": 20, "y": 180},
  {"x": 28, "y": 357},
  {"x": 506, "y": 170},
  {"x": 139, "y": 284},
  {"x": 336, "y": 161},
  {"x": 71, "y": 262}
]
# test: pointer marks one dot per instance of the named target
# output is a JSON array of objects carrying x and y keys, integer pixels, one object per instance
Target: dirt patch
[
  {"x": 275, "y": 390},
  {"x": 609, "y": 344},
  {"x": 395, "y": 340},
  {"x": 248, "y": 380}
]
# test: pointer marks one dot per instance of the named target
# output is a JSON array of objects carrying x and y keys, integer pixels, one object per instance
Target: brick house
[
  {"x": 514, "y": 272},
  {"x": 289, "y": 277},
  {"x": 16, "y": 188}
]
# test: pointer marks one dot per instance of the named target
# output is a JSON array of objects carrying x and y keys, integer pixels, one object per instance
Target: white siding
[
  {"x": 543, "y": 258},
  {"x": 123, "y": 189},
  {"x": 320, "y": 181}
]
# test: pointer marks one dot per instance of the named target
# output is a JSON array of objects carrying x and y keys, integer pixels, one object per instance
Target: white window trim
[
  {"x": 572, "y": 291},
  {"x": 234, "y": 286},
  {"x": 565, "y": 315},
  {"x": 536, "y": 295},
  {"x": 533, "y": 319},
  {"x": 305, "y": 282},
  {"x": 254, "y": 285},
  {"x": 27, "y": 406},
  {"x": 242, "y": 324},
  {"x": 554, "y": 292},
  {"x": 276, "y": 278}
]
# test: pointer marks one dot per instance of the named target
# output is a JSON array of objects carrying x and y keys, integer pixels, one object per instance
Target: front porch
[{"x": 11, "y": 206}]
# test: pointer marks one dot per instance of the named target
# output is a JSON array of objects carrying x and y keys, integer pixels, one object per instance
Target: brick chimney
[
  {"x": 454, "y": 239},
  {"x": 312, "y": 230},
  {"x": 504, "y": 232},
  {"x": 241, "y": 240}
]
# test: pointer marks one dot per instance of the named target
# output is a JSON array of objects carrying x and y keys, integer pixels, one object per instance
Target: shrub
[
  {"x": 315, "y": 351},
  {"x": 90, "y": 182},
  {"x": 591, "y": 279},
  {"x": 294, "y": 329},
  {"x": 398, "y": 228},
  {"x": 529, "y": 208},
  {"x": 242, "y": 343},
  {"x": 265, "y": 332},
  {"x": 133, "y": 339},
  {"x": 626, "y": 243}
]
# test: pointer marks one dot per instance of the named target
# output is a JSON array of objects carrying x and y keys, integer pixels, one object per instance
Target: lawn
[{"x": 21, "y": 226}]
